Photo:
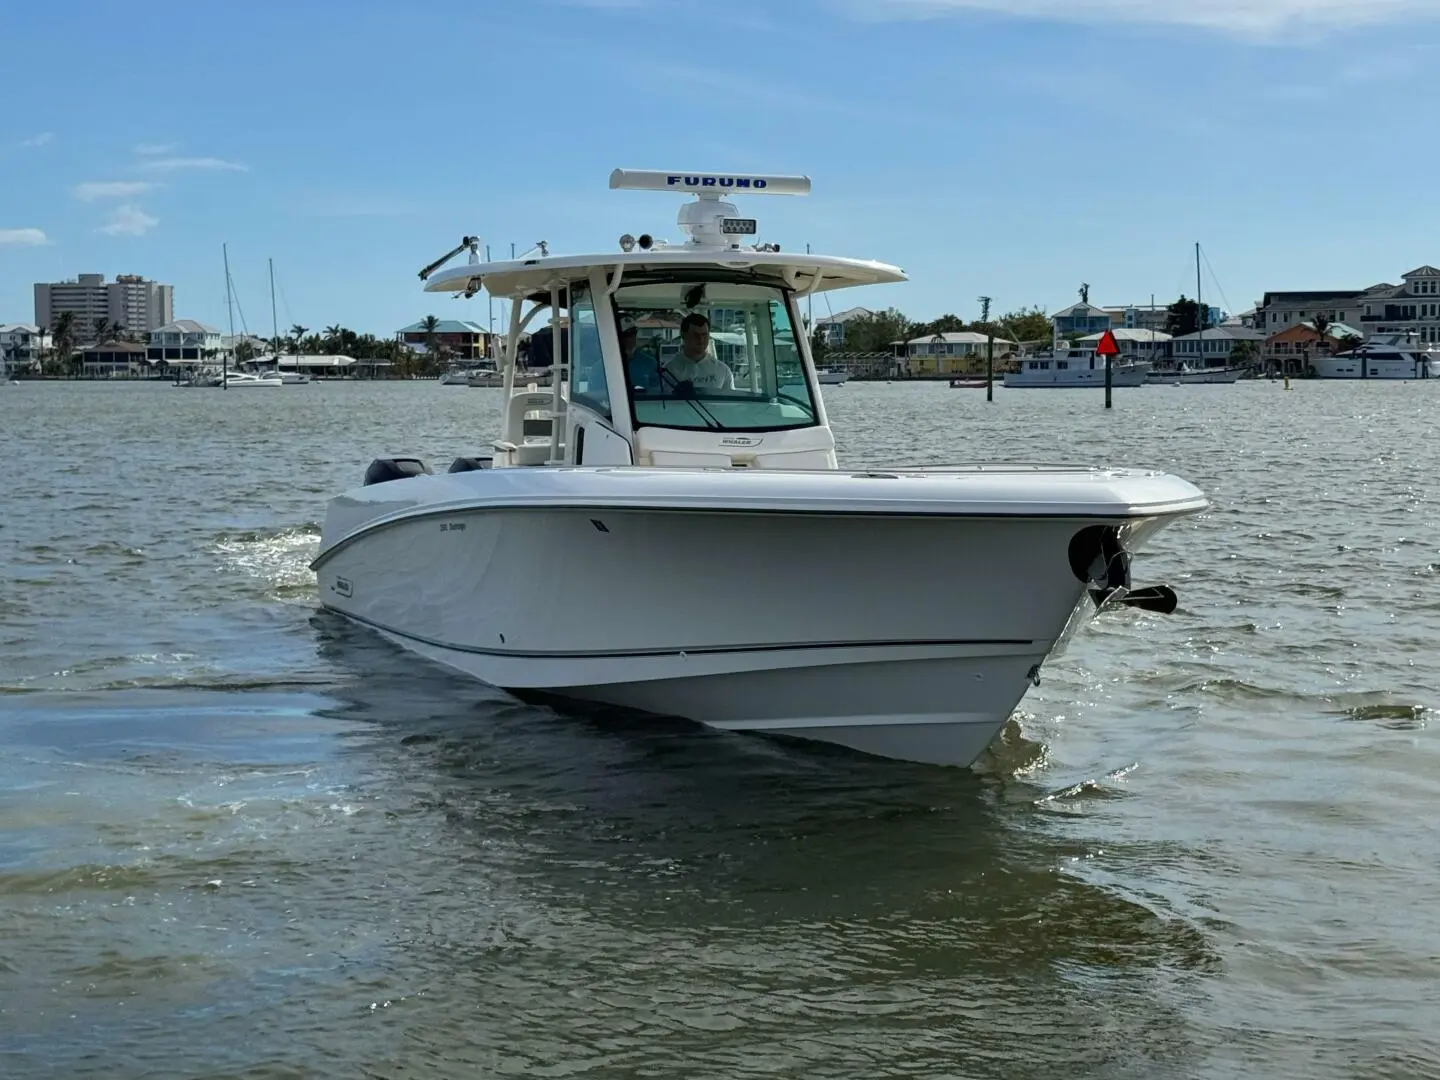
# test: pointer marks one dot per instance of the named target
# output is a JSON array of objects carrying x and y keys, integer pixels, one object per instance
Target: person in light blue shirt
[{"x": 642, "y": 368}]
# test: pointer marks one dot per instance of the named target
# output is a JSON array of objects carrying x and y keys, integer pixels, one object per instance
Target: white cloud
[
  {"x": 153, "y": 149},
  {"x": 1243, "y": 18},
  {"x": 39, "y": 140},
  {"x": 23, "y": 237},
  {"x": 169, "y": 164},
  {"x": 128, "y": 220},
  {"x": 111, "y": 189}
]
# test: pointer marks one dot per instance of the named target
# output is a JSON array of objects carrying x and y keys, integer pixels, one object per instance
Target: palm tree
[
  {"x": 430, "y": 327},
  {"x": 62, "y": 334},
  {"x": 296, "y": 333},
  {"x": 333, "y": 336},
  {"x": 1321, "y": 325},
  {"x": 101, "y": 328}
]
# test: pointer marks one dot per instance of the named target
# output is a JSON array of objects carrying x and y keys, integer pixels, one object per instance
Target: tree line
[
  {"x": 67, "y": 338},
  {"x": 876, "y": 331}
]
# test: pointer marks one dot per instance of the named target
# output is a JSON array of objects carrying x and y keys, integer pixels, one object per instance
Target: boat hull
[
  {"x": 797, "y": 623},
  {"x": 1197, "y": 376},
  {"x": 1349, "y": 367},
  {"x": 1072, "y": 379}
]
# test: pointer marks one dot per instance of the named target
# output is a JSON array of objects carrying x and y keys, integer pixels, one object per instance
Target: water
[{"x": 239, "y": 838}]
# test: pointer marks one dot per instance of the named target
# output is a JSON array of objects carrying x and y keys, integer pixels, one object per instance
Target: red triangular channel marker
[{"x": 1107, "y": 346}]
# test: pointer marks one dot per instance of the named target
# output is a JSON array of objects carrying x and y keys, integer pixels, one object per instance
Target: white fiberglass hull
[
  {"x": 1073, "y": 378},
  {"x": 770, "y": 605},
  {"x": 1411, "y": 366},
  {"x": 1197, "y": 376},
  {"x": 246, "y": 382}
]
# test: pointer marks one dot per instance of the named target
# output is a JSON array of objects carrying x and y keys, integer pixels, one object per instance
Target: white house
[
  {"x": 832, "y": 327},
  {"x": 1412, "y": 306},
  {"x": 21, "y": 345},
  {"x": 1213, "y": 347},
  {"x": 944, "y": 354},
  {"x": 184, "y": 341},
  {"x": 1134, "y": 344}
]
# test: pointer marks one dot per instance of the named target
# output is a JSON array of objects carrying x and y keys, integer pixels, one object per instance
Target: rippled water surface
[{"x": 239, "y": 838}]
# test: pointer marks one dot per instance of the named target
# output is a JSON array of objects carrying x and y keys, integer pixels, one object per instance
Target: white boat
[
  {"x": 491, "y": 378},
  {"x": 1384, "y": 356},
  {"x": 831, "y": 376},
  {"x": 1184, "y": 375},
  {"x": 293, "y": 378},
  {"x": 1075, "y": 367},
  {"x": 239, "y": 380},
  {"x": 455, "y": 377},
  {"x": 1181, "y": 373},
  {"x": 691, "y": 548},
  {"x": 201, "y": 377}
]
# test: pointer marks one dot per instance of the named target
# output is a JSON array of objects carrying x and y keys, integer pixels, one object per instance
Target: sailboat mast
[
  {"x": 230, "y": 315},
  {"x": 1199, "y": 309},
  {"x": 274, "y": 322}
]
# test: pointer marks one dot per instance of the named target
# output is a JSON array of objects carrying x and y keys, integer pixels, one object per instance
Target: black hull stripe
[{"x": 705, "y": 650}]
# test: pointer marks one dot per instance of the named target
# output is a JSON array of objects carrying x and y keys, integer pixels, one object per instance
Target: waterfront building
[
  {"x": 463, "y": 340},
  {"x": 184, "y": 341},
  {"x": 956, "y": 353},
  {"x": 130, "y": 301},
  {"x": 1135, "y": 344},
  {"x": 832, "y": 327},
  {"x": 21, "y": 346},
  {"x": 1214, "y": 347}
]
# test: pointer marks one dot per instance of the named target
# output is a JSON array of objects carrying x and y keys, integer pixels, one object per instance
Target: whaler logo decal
[
  {"x": 755, "y": 183},
  {"x": 740, "y": 440}
]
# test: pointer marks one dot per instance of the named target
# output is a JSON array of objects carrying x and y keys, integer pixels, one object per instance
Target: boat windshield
[{"x": 722, "y": 355}]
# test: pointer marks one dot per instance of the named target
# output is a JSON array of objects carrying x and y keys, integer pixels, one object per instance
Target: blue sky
[{"x": 1008, "y": 147}]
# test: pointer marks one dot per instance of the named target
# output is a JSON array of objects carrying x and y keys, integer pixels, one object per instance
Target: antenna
[
  {"x": 711, "y": 221},
  {"x": 471, "y": 242},
  {"x": 715, "y": 184}
]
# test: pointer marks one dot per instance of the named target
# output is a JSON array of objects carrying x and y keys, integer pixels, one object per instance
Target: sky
[{"x": 1010, "y": 148}]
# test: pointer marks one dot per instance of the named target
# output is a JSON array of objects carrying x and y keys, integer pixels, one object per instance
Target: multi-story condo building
[{"x": 130, "y": 301}]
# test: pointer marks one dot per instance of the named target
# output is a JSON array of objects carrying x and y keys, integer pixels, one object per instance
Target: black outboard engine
[
  {"x": 470, "y": 464},
  {"x": 384, "y": 469},
  {"x": 1098, "y": 557}
]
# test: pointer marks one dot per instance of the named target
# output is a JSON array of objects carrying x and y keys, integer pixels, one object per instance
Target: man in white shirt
[{"x": 695, "y": 369}]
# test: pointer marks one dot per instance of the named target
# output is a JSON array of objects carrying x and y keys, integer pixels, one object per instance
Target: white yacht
[
  {"x": 677, "y": 536},
  {"x": 832, "y": 376},
  {"x": 1182, "y": 374},
  {"x": 1072, "y": 367},
  {"x": 1384, "y": 356},
  {"x": 241, "y": 380}
]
